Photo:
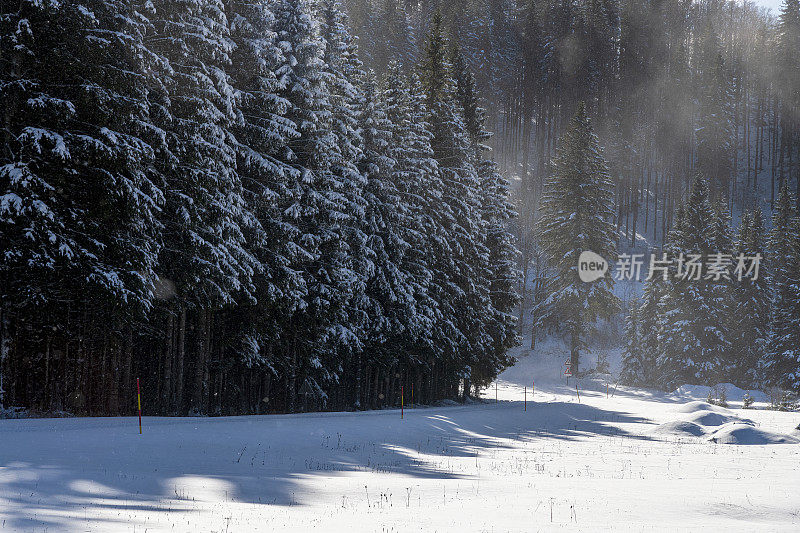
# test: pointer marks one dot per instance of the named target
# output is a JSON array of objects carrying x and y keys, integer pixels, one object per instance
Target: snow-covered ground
[{"x": 639, "y": 460}]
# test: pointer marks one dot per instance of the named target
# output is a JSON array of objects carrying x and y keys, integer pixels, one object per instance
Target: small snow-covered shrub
[
  {"x": 747, "y": 401},
  {"x": 717, "y": 396},
  {"x": 603, "y": 366},
  {"x": 780, "y": 400}
]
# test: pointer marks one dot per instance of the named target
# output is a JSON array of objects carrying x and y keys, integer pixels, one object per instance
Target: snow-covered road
[{"x": 601, "y": 464}]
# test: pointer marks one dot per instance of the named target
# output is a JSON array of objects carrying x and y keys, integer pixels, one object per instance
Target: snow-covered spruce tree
[
  {"x": 577, "y": 215},
  {"x": 418, "y": 183},
  {"x": 641, "y": 336},
  {"x": 782, "y": 360},
  {"x": 464, "y": 287},
  {"x": 390, "y": 288},
  {"x": 78, "y": 192},
  {"x": 502, "y": 273},
  {"x": 633, "y": 358},
  {"x": 344, "y": 74},
  {"x": 720, "y": 285},
  {"x": 320, "y": 208},
  {"x": 262, "y": 133},
  {"x": 693, "y": 330},
  {"x": 205, "y": 216},
  {"x": 750, "y": 308}
]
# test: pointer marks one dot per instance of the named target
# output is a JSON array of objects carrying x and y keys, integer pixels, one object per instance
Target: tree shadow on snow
[{"x": 78, "y": 473}]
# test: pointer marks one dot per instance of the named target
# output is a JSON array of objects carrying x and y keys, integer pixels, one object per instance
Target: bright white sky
[{"x": 775, "y": 5}]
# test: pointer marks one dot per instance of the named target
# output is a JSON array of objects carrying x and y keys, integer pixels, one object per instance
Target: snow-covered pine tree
[
  {"x": 390, "y": 291},
  {"x": 633, "y": 365},
  {"x": 693, "y": 329},
  {"x": 502, "y": 273},
  {"x": 344, "y": 74},
  {"x": 644, "y": 322},
  {"x": 782, "y": 360},
  {"x": 577, "y": 215},
  {"x": 750, "y": 308},
  {"x": 262, "y": 133},
  {"x": 79, "y": 195},
  {"x": 466, "y": 289},
  {"x": 205, "y": 217},
  {"x": 418, "y": 183},
  {"x": 319, "y": 208},
  {"x": 720, "y": 285}
]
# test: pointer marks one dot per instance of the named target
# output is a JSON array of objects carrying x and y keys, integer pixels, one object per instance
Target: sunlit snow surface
[{"x": 618, "y": 463}]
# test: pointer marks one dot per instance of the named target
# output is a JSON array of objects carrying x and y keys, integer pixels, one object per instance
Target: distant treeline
[
  {"x": 673, "y": 87},
  {"x": 216, "y": 197},
  {"x": 734, "y": 322}
]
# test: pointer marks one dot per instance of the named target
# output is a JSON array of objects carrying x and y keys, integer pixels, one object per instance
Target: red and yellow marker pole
[
  {"x": 139, "y": 398},
  {"x": 402, "y": 406}
]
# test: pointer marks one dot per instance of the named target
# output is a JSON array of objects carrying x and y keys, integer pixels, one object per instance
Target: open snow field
[{"x": 639, "y": 461}]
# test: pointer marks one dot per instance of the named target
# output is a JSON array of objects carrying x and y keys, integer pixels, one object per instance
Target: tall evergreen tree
[
  {"x": 262, "y": 134},
  {"x": 79, "y": 191},
  {"x": 465, "y": 292},
  {"x": 633, "y": 358},
  {"x": 750, "y": 310},
  {"x": 693, "y": 333},
  {"x": 418, "y": 182},
  {"x": 577, "y": 216},
  {"x": 343, "y": 75},
  {"x": 389, "y": 288},
  {"x": 649, "y": 322},
  {"x": 313, "y": 209},
  {"x": 501, "y": 273},
  {"x": 782, "y": 360},
  {"x": 206, "y": 219}
]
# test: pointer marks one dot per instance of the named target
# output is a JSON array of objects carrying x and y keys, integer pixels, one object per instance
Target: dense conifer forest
[{"x": 290, "y": 205}]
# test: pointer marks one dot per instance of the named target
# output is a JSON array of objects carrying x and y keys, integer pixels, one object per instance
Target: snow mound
[
  {"x": 694, "y": 407},
  {"x": 680, "y": 427},
  {"x": 741, "y": 433},
  {"x": 714, "y": 418},
  {"x": 732, "y": 392}
]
